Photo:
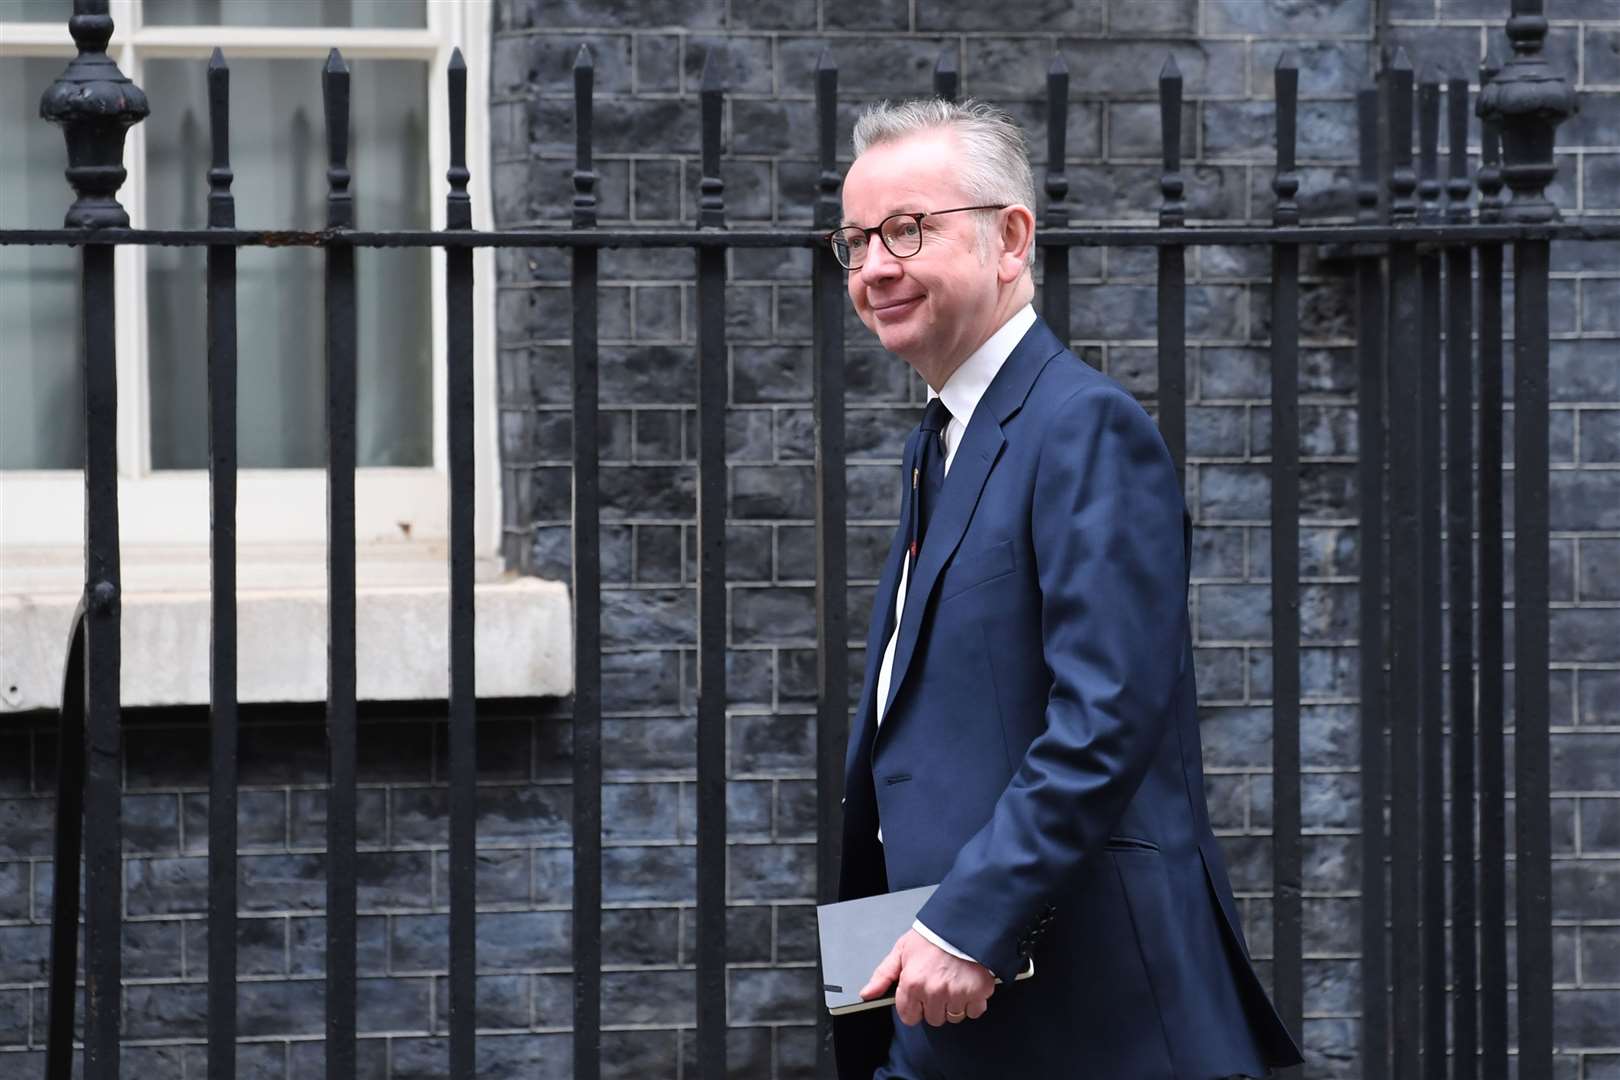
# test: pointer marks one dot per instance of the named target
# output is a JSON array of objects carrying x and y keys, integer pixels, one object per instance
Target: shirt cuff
[{"x": 917, "y": 925}]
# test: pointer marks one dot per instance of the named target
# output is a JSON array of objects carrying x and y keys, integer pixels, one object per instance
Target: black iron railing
[{"x": 1416, "y": 248}]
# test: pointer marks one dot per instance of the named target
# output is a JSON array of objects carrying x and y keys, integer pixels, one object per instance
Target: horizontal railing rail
[{"x": 1588, "y": 229}]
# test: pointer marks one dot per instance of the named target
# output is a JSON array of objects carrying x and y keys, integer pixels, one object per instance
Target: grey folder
[{"x": 855, "y": 937}]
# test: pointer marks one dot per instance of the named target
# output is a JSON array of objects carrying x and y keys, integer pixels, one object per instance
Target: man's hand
[{"x": 933, "y": 985}]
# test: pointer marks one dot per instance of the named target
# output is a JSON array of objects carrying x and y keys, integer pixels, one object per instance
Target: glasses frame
[{"x": 868, "y": 230}]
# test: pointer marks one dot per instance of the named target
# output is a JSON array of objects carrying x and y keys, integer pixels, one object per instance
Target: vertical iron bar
[
  {"x": 711, "y": 756},
  {"x": 95, "y": 106},
  {"x": 62, "y": 999},
  {"x": 1172, "y": 298},
  {"x": 1433, "y": 781},
  {"x": 1374, "y": 689},
  {"x": 222, "y": 726},
  {"x": 1288, "y": 950},
  {"x": 1531, "y": 100},
  {"x": 1406, "y": 583},
  {"x": 587, "y": 561},
  {"x": 1531, "y": 804},
  {"x": 1493, "y": 961},
  {"x": 1460, "y": 542},
  {"x": 832, "y": 605},
  {"x": 103, "y": 823},
  {"x": 1055, "y": 260},
  {"x": 463, "y": 721},
  {"x": 945, "y": 74},
  {"x": 341, "y": 395}
]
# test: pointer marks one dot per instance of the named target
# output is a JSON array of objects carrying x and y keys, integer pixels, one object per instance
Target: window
[{"x": 397, "y": 51}]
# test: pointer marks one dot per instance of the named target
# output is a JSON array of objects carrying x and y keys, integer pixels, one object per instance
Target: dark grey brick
[
  {"x": 623, "y": 13},
  {"x": 774, "y": 492},
  {"x": 796, "y": 810},
  {"x": 152, "y": 949},
  {"x": 165, "y": 886},
  {"x": 771, "y": 743},
  {"x": 631, "y": 874},
  {"x": 165, "y": 757},
  {"x": 27, "y": 827},
  {"x": 280, "y": 1008},
  {"x": 1131, "y": 68},
  {"x": 24, "y": 953},
  {"x": 15, "y": 887},
  {"x": 651, "y": 744},
  {"x": 771, "y": 871},
  {"x": 649, "y": 997},
  {"x": 632, "y": 616},
  {"x": 14, "y": 1017},
  {"x": 545, "y": 63},
  {"x": 1315, "y": 18},
  {"x": 1152, "y": 16},
  {"x": 629, "y": 1055},
  {"x": 773, "y": 995},
  {"x": 16, "y": 763},
  {"x": 640, "y": 937},
  {"x": 773, "y": 614}
]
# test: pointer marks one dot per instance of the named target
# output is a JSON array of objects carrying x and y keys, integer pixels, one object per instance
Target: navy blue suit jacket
[{"x": 1040, "y": 759}]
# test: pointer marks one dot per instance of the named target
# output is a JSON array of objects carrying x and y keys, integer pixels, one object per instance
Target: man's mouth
[{"x": 895, "y": 309}]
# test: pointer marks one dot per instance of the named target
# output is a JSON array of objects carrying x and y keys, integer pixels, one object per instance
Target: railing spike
[
  {"x": 584, "y": 58},
  {"x": 1170, "y": 70}
]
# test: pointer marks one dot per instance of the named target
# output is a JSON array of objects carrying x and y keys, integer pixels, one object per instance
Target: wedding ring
[{"x": 953, "y": 1017}]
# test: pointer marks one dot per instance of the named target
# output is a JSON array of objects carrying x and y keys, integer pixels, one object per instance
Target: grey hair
[{"x": 995, "y": 161}]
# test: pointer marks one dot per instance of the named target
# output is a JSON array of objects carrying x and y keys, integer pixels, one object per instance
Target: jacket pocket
[
  {"x": 976, "y": 568},
  {"x": 1131, "y": 843}
]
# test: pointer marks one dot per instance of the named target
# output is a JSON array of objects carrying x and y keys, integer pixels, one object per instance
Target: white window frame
[
  {"x": 523, "y": 628},
  {"x": 395, "y": 508}
]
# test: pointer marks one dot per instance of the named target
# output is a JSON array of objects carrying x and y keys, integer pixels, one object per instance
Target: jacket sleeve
[{"x": 1108, "y": 539}]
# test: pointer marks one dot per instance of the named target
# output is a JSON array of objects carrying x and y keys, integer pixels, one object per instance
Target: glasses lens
[
  {"x": 903, "y": 234},
  {"x": 849, "y": 245}
]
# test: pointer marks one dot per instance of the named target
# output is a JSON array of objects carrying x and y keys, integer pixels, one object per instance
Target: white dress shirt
[{"x": 961, "y": 394}]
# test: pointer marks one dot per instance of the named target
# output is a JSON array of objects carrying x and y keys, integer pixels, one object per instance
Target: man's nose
[{"x": 880, "y": 264}]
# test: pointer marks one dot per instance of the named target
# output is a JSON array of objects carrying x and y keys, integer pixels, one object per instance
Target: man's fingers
[
  {"x": 976, "y": 1009},
  {"x": 908, "y": 1004},
  {"x": 934, "y": 1006},
  {"x": 883, "y": 975}
]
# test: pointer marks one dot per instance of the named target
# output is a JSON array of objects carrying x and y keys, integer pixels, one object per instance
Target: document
[{"x": 855, "y": 937}]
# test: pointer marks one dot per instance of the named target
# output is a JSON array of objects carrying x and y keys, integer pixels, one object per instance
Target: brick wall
[{"x": 648, "y": 59}]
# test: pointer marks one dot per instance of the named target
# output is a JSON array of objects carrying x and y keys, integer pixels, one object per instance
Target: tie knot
[{"x": 936, "y": 416}]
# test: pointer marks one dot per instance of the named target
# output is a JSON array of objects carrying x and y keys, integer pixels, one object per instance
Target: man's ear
[{"x": 1017, "y": 243}]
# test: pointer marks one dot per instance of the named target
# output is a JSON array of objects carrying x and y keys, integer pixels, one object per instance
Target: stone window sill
[{"x": 524, "y": 642}]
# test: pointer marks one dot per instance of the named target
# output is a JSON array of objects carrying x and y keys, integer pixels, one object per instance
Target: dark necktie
[{"x": 930, "y": 471}]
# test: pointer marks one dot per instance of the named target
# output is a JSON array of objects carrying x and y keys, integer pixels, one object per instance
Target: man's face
[{"x": 934, "y": 308}]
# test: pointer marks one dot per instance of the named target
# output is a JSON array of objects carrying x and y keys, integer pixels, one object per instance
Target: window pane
[
  {"x": 56, "y": 11},
  {"x": 382, "y": 13},
  {"x": 278, "y": 153},
  {"x": 41, "y": 384}
]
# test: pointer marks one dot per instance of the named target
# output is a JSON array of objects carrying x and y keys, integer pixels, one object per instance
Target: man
[{"x": 1027, "y": 734}]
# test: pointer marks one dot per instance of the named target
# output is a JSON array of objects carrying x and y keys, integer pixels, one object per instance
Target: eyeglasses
[{"x": 901, "y": 234}]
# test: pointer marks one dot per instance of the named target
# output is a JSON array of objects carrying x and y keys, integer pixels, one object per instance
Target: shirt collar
[{"x": 968, "y": 383}]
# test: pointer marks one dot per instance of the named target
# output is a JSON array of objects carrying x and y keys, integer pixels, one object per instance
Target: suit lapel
[
  {"x": 877, "y": 638},
  {"x": 981, "y": 446}
]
